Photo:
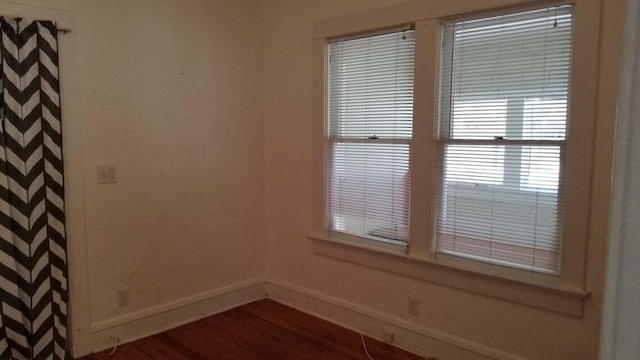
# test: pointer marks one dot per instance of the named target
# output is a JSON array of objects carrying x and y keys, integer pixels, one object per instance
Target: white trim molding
[
  {"x": 413, "y": 337},
  {"x": 418, "y": 339},
  {"x": 156, "y": 319}
]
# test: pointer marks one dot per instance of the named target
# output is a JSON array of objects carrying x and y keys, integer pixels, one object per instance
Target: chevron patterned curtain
[{"x": 33, "y": 265}]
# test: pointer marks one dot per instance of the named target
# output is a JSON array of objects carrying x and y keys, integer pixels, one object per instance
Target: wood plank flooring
[{"x": 260, "y": 330}]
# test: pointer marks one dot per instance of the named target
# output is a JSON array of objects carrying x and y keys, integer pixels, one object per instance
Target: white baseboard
[
  {"x": 410, "y": 336},
  {"x": 418, "y": 339},
  {"x": 167, "y": 316}
]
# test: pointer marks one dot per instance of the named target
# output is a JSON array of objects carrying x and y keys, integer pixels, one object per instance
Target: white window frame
[
  {"x": 514, "y": 117},
  {"x": 563, "y": 293},
  {"x": 333, "y": 139}
]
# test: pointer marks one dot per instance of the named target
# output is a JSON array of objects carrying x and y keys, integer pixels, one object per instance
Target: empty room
[{"x": 319, "y": 179}]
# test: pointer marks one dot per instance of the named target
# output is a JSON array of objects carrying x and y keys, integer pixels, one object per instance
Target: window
[
  {"x": 504, "y": 89},
  {"x": 459, "y": 149},
  {"x": 369, "y": 110}
]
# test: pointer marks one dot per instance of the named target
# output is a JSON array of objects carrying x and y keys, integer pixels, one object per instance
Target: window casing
[{"x": 561, "y": 289}]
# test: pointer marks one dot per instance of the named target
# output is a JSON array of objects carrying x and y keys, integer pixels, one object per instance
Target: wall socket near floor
[
  {"x": 106, "y": 174},
  {"x": 123, "y": 296},
  {"x": 414, "y": 306}
]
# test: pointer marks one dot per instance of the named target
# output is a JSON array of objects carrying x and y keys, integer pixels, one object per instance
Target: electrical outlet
[
  {"x": 106, "y": 174},
  {"x": 414, "y": 305},
  {"x": 123, "y": 296}
]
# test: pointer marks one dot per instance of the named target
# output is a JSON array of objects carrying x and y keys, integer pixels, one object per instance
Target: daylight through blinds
[
  {"x": 369, "y": 130},
  {"x": 503, "y": 112}
]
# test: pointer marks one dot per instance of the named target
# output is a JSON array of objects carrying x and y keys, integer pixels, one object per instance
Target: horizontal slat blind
[
  {"x": 502, "y": 129},
  {"x": 369, "y": 130}
]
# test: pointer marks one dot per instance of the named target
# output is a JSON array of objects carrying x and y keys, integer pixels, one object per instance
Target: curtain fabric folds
[{"x": 33, "y": 264}]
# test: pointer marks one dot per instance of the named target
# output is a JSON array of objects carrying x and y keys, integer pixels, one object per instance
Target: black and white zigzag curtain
[{"x": 33, "y": 265}]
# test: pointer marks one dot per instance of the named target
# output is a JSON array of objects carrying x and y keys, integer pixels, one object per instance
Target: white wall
[
  {"x": 170, "y": 92},
  {"x": 515, "y": 330},
  {"x": 171, "y": 96}
]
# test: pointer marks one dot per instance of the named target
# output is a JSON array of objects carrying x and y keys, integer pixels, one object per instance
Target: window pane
[
  {"x": 484, "y": 209},
  {"x": 523, "y": 58},
  {"x": 370, "y": 86},
  {"x": 369, "y": 190},
  {"x": 519, "y": 55}
]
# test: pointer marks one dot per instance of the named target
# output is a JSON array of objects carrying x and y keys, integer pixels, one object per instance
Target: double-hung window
[
  {"x": 463, "y": 139},
  {"x": 502, "y": 126},
  {"x": 462, "y": 143},
  {"x": 368, "y": 131}
]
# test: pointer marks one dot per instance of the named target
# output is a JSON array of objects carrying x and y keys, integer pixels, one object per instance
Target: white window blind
[
  {"x": 504, "y": 90},
  {"x": 369, "y": 130}
]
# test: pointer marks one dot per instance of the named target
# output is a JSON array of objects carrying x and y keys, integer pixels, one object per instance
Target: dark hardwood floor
[{"x": 260, "y": 330}]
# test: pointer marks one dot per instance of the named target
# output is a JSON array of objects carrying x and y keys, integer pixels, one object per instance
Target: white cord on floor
[
  {"x": 364, "y": 345},
  {"x": 117, "y": 341}
]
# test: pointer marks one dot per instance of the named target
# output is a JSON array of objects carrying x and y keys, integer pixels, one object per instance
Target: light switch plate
[{"x": 107, "y": 174}]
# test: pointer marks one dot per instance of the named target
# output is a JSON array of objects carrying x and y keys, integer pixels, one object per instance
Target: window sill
[{"x": 557, "y": 298}]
